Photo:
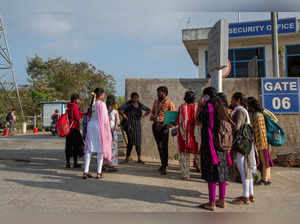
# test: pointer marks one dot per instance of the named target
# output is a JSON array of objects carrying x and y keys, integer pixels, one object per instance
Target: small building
[
  {"x": 49, "y": 109},
  {"x": 250, "y": 48}
]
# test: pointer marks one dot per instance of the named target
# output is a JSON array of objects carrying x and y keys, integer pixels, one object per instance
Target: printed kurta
[
  {"x": 186, "y": 121},
  {"x": 134, "y": 125},
  {"x": 114, "y": 123},
  {"x": 260, "y": 131},
  {"x": 160, "y": 108}
]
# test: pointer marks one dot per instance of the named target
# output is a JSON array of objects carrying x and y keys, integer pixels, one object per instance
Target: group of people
[
  {"x": 197, "y": 126},
  {"x": 209, "y": 114},
  {"x": 99, "y": 136}
]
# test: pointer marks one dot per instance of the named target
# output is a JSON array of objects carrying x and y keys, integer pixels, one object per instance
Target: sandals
[
  {"x": 87, "y": 175},
  {"x": 221, "y": 203},
  {"x": 210, "y": 206},
  {"x": 100, "y": 176},
  {"x": 241, "y": 201},
  {"x": 140, "y": 161}
]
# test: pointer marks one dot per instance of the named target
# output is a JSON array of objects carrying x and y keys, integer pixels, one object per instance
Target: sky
[{"x": 124, "y": 38}]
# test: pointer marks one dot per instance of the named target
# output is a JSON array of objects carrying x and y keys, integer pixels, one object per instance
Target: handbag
[{"x": 174, "y": 132}]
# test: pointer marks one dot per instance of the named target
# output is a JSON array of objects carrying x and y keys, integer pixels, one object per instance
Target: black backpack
[
  {"x": 243, "y": 140},
  {"x": 8, "y": 117}
]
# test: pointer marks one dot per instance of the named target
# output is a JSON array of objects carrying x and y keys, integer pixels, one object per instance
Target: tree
[{"x": 57, "y": 79}]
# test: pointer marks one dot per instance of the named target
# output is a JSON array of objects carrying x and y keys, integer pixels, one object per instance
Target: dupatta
[{"x": 105, "y": 131}]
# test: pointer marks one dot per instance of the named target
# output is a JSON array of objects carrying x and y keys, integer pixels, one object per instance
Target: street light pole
[{"x": 274, "y": 20}]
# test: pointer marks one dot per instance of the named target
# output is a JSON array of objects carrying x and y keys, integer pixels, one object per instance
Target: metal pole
[
  {"x": 34, "y": 121},
  {"x": 274, "y": 20},
  {"x": 220, "y": 79},
  {"x": 9, "y": 60}
]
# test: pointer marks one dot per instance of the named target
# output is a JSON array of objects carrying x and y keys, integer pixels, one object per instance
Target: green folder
[{"x": 170, "y": 117}]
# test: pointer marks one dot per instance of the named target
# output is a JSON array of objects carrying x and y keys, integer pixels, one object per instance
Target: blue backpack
[{"x": 275, "y": 133}]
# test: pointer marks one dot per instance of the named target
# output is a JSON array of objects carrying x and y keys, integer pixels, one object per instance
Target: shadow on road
[{"x": 50, "y": 165}]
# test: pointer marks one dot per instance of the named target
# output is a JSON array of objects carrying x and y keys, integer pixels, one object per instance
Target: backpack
[
  {"x": 275, "y": 133},
  {"x": 8, "y": 117},
  {"x": 224, "y": 138},
  {"x": 63, "y": 127},
  {"x": 243, "y": 140}
]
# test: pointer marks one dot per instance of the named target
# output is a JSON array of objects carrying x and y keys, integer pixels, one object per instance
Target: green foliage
[
  {"x": 120, "y": 100},
  {"x": 54, "y": 79},
  {"x": 58, "y": 79}
]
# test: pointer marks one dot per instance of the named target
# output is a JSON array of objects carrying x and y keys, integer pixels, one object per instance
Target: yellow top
[
  {"x": 271, "y": 115},
  {"x": 260, "y": 132}
]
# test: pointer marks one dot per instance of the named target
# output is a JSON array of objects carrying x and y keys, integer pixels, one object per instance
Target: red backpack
[{"x": 63, "y": 127}]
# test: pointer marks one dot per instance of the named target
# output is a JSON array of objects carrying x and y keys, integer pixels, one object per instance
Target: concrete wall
[{"x": 177, "y": 87}]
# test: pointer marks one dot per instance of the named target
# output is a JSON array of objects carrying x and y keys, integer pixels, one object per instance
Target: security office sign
[
  {"x": 261, "y": 28},
  {"x": 281, "y": 95}
]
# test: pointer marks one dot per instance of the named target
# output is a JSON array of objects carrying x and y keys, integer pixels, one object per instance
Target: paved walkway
[{"x": 33, "y": 178}]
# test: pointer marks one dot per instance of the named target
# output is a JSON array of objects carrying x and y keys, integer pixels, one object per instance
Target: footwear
[
  {"x": 241, "y": 201},
  {"x": 163, "y": 171},
  {"x": 251, "y": 199},
  {"x": 221, "y": 203},
  {"x": 141, "y": 161},
  {"x": 267, "y": 182},
  {"x": 126, "y": 161},
  {"x": 261, "y": 182},
  {"x": 87, "y": 175},
  {"x": 211, "y": 206},
  {"x": 68, "y": 165},
  {"x": 100, "y": 176},
  {"x": 113, "y": 169},
  {"x": 77, "y": 165}
]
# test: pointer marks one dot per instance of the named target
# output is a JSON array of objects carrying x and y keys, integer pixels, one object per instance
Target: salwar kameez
[
  {"x": 214, "y": 163},
  {"x": 98, "y": 139},
  {"x": 262, "y": 146},
  {"x": 246, "y": 164},
  {"x": 187, "y": 143},
  {"x": 114, "y": 123}
]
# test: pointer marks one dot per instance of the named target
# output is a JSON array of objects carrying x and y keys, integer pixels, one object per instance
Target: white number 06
[{"x": 284, "y": 103}]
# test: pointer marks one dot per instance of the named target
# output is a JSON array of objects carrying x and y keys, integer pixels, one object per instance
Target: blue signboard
[
  {"x": 260, "y": 28},
  {"x": 281, "y": 95}
]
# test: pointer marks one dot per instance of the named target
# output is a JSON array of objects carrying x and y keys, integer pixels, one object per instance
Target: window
[
  {"x": 239, "y": 61},
  {"x": 293, "y": 60}
]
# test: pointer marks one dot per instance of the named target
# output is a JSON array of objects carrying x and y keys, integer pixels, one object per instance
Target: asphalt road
[{"x": 33, "y": 178}]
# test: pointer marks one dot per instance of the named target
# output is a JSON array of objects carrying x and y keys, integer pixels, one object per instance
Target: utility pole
[
  {"x": 275, "y": 58},
  {"x": 6, "y": 66}
]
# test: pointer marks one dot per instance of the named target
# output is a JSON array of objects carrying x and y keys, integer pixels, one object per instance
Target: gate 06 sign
[{"x": 281, "y": 96}]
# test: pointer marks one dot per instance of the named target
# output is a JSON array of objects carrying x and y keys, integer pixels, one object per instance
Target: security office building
[{"x": 250, "y": 48}]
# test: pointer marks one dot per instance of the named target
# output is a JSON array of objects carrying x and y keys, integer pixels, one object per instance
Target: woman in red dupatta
[{"x": 187, "y": 139}]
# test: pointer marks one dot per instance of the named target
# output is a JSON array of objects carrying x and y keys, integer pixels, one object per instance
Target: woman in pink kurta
[{"x": 187, "y": 143}]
